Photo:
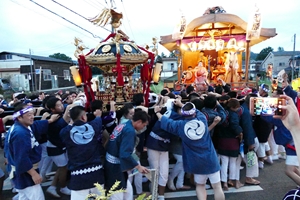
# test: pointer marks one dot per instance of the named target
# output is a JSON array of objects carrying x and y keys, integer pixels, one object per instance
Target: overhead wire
[
  {"x": 49, "y": 49},
  {"x": 95, "y": 36},
  {"x": 128, "y": 20},
  {"x": 22, "y": 5},
  {"x": 98, "y": 2},
  {"x": 93, "y": 4},
  {"x": 76, "y": 13}
]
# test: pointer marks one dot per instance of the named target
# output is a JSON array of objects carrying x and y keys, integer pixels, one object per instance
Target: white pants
[
  {"x": 274, "y": 147},
  {"x": 128, "y": 195},
  {"x": 82, "y": 194},
  {"x": 159, "y": 160},
  {"x": 177, "y": 171},
  {"x": 261, "y": 151},
  {"x": 33, "y": 192},
  {"x": 138, "y": 181},
  {"x": 45, "y": 165},
  {"x": 232, "y": 163}
]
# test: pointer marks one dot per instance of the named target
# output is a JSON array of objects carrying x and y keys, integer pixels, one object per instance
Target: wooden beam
[
  {"x": 247, "y": 59},
  {"x": 213, "y": 27},
  {"x": 195, "y": 37}
]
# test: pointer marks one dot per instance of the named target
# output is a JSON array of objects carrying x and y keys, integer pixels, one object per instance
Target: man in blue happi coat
[
  {"x": 84, "y": 149},
  {"x": 23, "y": 152},
  {"x": 119, "y": 154},
  {"x": 198, "y": 153}
]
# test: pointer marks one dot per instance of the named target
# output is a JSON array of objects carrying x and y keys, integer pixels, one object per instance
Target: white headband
[
  {"x": 262, "y": 86},
  {"x": 22, "y": 112},
  {"x": 188, "y": 112}
]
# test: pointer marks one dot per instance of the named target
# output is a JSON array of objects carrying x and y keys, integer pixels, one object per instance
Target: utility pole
[
  {"x": 293, "y": 60},
  {"x": 31, "y": 71},
  {"x": 40, "y": 79}
]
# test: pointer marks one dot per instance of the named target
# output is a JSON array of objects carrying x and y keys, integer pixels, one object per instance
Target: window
[
  {"x": 169, "y": 67},
  {"x": 5, "y": 57},
  {"x": 47, "y": 74},
  {"x": 281, "y": 64},
  {"x": 66, "y": 74}
]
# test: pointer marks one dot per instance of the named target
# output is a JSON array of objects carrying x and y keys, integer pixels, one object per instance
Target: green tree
[
  {"x": 172, "y": 54},
  {"x": 252, "y": 56},
  {"x": 163, "y": 55},
  {"x": 96, "y": 70},
  {"x": 280, "y": 49},
  {"x": 263, "y": 53},
  {"x": 61, "y": 56}
]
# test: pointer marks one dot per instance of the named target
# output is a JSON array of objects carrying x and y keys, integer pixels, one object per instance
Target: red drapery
[{"x": 86, "y": 77}]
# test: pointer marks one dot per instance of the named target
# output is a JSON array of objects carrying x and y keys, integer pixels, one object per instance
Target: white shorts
[
  {"x": 292, "y": 160},
  {"x": 60, "y": 160},
  {"x": 82, "y": 194},
  {"x": 202, "y": 178},
  {"x": 262, "y": 148},
  {"x": 32, "y": 192}
]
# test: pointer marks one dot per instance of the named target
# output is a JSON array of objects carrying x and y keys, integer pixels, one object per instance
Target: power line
[
  {"x": 93, "y": 4},
  {"x": 95, "y": 36},
  {"x": 128, "y": 20},
  {"x": 70, "y": 10},
  {"x": 54, "y": 47},
  {"x": 76, "y": 13},
  {"x": 98, "y": 2},
  {"x": 49, "y": 18}
]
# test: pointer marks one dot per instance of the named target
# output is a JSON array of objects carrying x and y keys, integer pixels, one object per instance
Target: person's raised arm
[{"x": 217, "y": 119}]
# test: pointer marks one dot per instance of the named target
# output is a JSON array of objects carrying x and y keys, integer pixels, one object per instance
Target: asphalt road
[{"x": 274, "y": 185}]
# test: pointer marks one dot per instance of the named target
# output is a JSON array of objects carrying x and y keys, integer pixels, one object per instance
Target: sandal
[
  {"x": 253, "y": 182},
  {"x": 230, "y": 184},
  {"x": 184, "y": 187}
]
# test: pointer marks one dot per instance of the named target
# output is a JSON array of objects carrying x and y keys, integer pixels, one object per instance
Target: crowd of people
[{"x": 207, "y": 129}]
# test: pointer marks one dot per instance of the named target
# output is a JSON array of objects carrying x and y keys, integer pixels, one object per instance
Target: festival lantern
[
  {"x": 193, "y": 46},
  {"x": 76, "y": 76}
]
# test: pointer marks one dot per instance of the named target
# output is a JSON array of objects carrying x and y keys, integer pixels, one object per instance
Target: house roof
[
  {"x": 169, "y": 59},
  {"x": 34, "y": 57},
  {"x": 285, "y": 53},
  {"x": 171, "y": 78}
]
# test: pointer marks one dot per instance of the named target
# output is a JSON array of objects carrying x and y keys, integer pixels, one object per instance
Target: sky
[{"x": 25, "y": 25}]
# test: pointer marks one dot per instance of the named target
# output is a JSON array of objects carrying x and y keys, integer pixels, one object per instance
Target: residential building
[
  {"x": 254, "y": 68},
  {"x": 278, "y": 59},
  {"x": 295, "y": 62},
  {"x": 31, "y": 72},
  {"x": 169, "y": 68}
]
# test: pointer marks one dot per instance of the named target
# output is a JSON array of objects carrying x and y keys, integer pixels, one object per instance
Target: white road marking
[{"x": 210, "y": 191}]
